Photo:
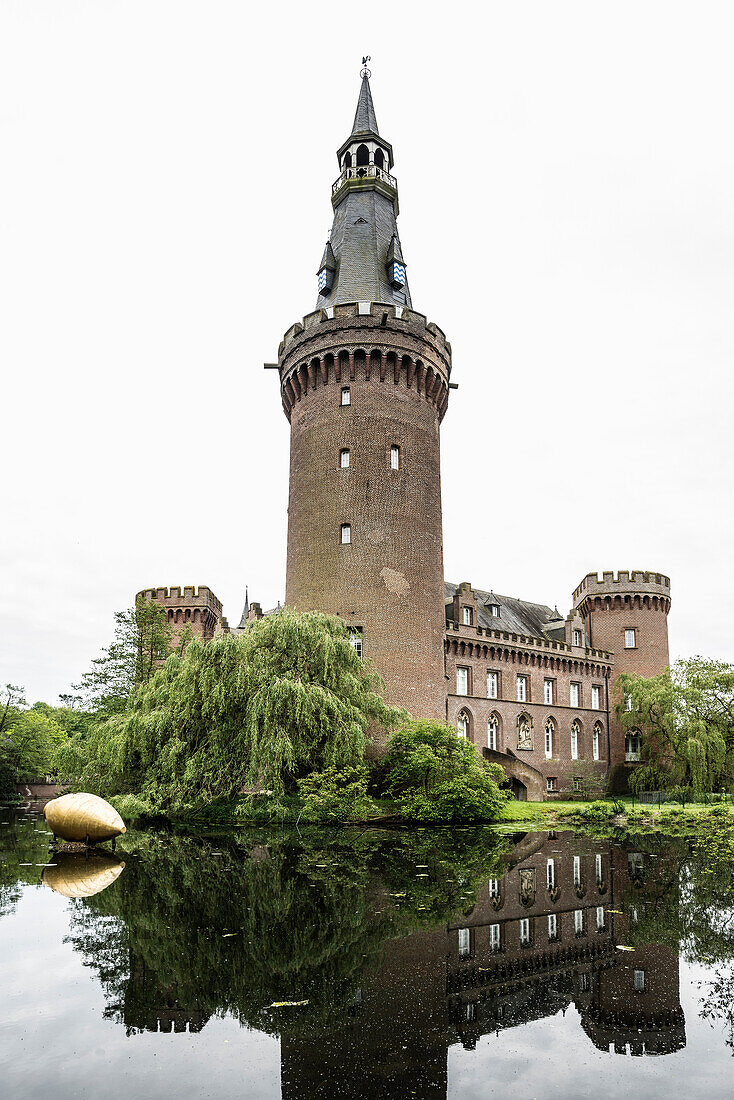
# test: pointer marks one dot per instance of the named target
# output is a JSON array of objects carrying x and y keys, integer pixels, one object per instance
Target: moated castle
[{"x": 365, "y": 383}]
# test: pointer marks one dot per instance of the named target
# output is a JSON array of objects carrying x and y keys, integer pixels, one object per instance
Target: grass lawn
[{"x": 542, "y": 811}]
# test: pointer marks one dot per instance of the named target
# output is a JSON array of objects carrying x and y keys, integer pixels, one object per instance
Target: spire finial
[{"x": 364, "y": 70}]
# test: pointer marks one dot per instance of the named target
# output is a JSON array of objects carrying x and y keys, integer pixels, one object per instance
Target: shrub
[
  {"x": 436, "y": 776},
  {"x": 336, "y": 794}
]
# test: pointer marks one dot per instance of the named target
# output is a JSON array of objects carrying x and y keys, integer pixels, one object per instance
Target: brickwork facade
[
  {"x": 197, "y": 609},
  {"x": 365, "y": 387}
]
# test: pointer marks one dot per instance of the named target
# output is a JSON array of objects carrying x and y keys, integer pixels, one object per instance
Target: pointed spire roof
[
  {"x": 365, "y": 120},
  {"x": 328, "y": 259},
  {"x": 245, "y": 610},
  {"x": 395, "y": 252}
]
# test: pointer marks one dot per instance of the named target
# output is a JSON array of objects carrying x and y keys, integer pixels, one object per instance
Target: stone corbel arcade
[{"x": 369, "y": 341}]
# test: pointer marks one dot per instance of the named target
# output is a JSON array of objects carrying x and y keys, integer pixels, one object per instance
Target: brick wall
[{"x": 388, "y": 581}]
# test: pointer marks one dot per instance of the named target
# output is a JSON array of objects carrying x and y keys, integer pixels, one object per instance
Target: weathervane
[{"x": 365, "y": 71}]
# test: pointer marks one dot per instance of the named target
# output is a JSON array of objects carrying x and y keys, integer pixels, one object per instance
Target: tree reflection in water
[{"x": 403, "y": 944}]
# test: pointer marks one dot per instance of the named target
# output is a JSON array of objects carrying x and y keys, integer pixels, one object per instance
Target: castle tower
[
  {"x": 626, "y": 613},
  {"x": 365, "y": 384}
]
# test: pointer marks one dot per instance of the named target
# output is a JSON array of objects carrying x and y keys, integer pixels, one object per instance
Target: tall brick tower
[
  {"x": 626, "y": 613},
  {"x": 365, "y": 384}
]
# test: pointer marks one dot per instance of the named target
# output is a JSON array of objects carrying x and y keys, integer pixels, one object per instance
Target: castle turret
[
  {"x": 365, "y": 384},
  {"x": 195, "y": 608},
  {"x": 626, "y": 613}
]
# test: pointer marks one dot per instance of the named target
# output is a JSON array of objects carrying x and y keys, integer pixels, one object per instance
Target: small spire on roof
[
  {"x": 365, "y": 120},
  {"x": 245, "y": 610}
]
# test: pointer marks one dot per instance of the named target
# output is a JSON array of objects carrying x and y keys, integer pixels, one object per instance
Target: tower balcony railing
[{"x": 363, "y": 171}]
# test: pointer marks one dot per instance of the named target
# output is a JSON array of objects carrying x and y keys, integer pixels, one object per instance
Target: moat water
[{"x": 456, "y": 963}]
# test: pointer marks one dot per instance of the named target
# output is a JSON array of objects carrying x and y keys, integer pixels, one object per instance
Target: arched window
[
  {"x": 344, "y": 457},
  {"x": 346, "y": 533},
  {"x": 550, "y": 727},
  {"x": 462, "y": 725},
  {"x": 632, "y": 745},
  {"x": 598, "y": 730},
  {"x": 575, "y": 738},
  {"x": 493, "y": 727},
  {"x": 379, "y": 158},
  {"x": 348, "y": 160},
  {"x": 363, "y": 155}
]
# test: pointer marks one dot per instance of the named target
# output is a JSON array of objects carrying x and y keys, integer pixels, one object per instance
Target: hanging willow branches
[
  {"x": 686, "y": 717},
  {"x": 256, "y": 711}
]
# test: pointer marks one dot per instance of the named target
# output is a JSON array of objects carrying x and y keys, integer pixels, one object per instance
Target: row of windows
[
  {"x": 630, "y": 635},
  {"x": 345, "y": 458},
  {"x": 464, "y": 686},
  {"x": 527, "y": 928},
  {"x": 524, "y": 727}
]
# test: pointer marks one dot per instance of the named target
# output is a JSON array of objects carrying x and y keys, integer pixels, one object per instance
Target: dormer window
[
  {"x": 327, "y": 270},
  {"x": 466, "y": 616},
  {"x": 494, "y": 610}
]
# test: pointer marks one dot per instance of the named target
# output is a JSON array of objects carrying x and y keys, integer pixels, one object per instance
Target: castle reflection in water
[{"x": 546, "y": 936}]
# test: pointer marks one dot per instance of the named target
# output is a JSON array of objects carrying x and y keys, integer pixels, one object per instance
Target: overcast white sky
[{"x": 566, "y": 176}]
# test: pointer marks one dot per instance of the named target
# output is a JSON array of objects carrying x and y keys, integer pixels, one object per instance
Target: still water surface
[{"x": 434, "y": 964}]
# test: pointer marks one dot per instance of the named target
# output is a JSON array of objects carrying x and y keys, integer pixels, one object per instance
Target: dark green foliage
[
  {"x": 235, "y": 925},
  {"x": 686, "y": 717},
  {"x": 257, "y": 711},
  {"x": 436, "y": 776},
  {"x": 337, "y": 794}
]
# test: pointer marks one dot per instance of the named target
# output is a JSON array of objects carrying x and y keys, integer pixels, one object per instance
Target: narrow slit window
[
  {"x": 550, "y": 874},
  {"x": 344, "y": 457},
  {"x": 464, "y": 942},
  {"x": 394, "y": 457},
  {"x": 552, "y": 927},
  {"x": 346, "y": 534},
  {"x": 346, "y": 396}
]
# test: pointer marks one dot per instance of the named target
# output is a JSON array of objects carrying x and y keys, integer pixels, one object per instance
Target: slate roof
[
  {"x": 365, "y": 120},
  {"x": 364, "y": 229},
  {"x": 517, "y": 616}
]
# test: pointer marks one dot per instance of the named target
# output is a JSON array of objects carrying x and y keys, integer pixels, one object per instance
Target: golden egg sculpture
[
  {"x": 82, "y": 817},
  {"x": 74, "y": 875}
]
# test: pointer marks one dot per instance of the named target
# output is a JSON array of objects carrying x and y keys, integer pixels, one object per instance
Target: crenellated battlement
[
  {"x": 625, "y": 582},
  {"x": 188, "y": 596},
  {"x": 367, "y": 341},
  {"x": 335, "y": 316}
]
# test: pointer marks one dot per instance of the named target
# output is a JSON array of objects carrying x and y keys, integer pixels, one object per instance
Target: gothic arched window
[
  {"x": 575, "y": 738},
  {"x": 363, "y": 155},
  {"x": 550, "y": 728},
  {"x": 463, "y": 725},
  {"x": 379, "y": 158},
  {"x": 596, "y": 740},
  {"x": 493, "y": 727}
]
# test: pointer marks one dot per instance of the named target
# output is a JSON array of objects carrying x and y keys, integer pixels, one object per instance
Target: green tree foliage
[
  {"x": 686, "y": 717},
  {"x": 259, "y": 710},
  {"x": 30, "y": 747},
  {"x": 337, "y": 794},
  {"x": 141, "y": 643},
  {"x": 436, "y": 776}
]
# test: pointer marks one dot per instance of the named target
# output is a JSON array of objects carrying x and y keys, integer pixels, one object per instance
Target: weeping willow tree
[
  {"x": 258, "y": 710},
  {"x": 686, "y": 718}
]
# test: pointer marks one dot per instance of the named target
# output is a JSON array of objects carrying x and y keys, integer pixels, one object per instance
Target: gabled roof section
[
  {"x": 395, "y": 252},
  {"x": 516, "y": 616},
  {"x": 365, "y": 120},
  {"x": 328, "y": 259}
]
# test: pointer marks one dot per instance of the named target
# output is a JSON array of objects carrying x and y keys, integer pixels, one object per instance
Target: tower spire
[
  {"x": 364, "y": 261},
  {"x": 365, "y": 120}
]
